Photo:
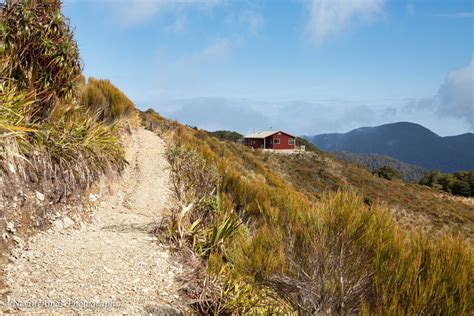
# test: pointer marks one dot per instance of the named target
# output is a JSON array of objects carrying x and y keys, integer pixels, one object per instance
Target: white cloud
[
  {"x": 455, "y": 96},
  {"x": 178, "y": 25},
  {"x": 218, "y": 49},
  {"x": 138, "y": 11},
  {"x": 328, "y": 17},
  {"x": 305, "y": 117},
  {"x": 215, "y": 113},
  {"x": 252, "y": 20},
  {"x": 135, "y": 12},
  {"x": 453, "y": 102}
]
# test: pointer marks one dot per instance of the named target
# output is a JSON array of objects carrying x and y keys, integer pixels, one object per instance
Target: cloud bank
[
  {"x": 455, "y": 96},
  {"x": 449, "y": 111}
]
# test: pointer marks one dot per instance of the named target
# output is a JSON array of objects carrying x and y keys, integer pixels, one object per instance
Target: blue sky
[{"x": 306, "y": 66}]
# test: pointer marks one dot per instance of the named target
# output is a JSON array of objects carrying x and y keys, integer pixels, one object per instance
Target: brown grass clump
[{"x": 102, "y": 97}]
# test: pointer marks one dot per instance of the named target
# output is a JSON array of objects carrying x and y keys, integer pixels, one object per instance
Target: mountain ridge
[
  {"x": 374, "y": 162},
  {"x": 405, "y": 141}
]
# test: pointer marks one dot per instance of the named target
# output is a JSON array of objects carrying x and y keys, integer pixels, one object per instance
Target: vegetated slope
[
  {"x": 407, "y": 142},
  {"x": 277, "y": 240},
  {"x": 411, "y": 204},
  {"x": 374, "y": 162}
]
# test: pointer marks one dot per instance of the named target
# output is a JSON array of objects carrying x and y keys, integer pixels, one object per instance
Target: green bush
[
  {"x": 226, "y": 135},
  {"x": 388, "y": 173},
  {"x": 459, "y": 183},
  {"x": 300, "y": 141}
]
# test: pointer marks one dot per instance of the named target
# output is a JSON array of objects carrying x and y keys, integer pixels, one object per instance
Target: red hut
[{"x": 276, "y": 140}]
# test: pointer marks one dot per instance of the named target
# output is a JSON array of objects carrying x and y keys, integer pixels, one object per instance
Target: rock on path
[{"x": 112, "y": 264}]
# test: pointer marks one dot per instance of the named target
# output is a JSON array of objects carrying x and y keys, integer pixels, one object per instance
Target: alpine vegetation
[{"x": 269, "y": 248}]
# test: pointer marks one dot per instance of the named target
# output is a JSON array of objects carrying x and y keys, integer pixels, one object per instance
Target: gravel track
[{"x": 112, "y": 264}]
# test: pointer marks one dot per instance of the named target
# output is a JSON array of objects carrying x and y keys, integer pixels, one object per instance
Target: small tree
[
  {"x": 461, "y": 188},
  {"x": 431, "y": 178},
  {"x": 388, "y": 173}
]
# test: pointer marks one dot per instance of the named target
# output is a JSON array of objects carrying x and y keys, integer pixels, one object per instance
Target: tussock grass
[
  {"x": 330, "y": 253},
  {"x": 75, "y": 148},
  {"x": 102, "y": 97},
  {"x": 81, "y": 146}
]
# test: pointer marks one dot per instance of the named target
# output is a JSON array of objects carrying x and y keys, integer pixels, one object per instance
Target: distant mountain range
[
  {"x": 374, "y": 162},
  {"x": 408, "y": 142}
]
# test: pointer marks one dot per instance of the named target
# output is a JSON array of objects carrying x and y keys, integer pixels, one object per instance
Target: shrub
[
  {"x": 426, "y": 277},
  {"x": 388, "y": 173},
  {"x": 226, "y": 135},
  {"x": 193, "y": 184},
  {"x": 329, "y": 256},
  {"x": 92, "y": 98},
  {"x": 301, "y": 141},
  {"x": 39, "y": 54},
  {"x": 459, "y": 183},
  {"x": 460, "y": 187}
]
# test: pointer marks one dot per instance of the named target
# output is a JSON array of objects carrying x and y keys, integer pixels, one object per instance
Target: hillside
[
  {"x": 374, "y": 162},
  {"x": 412, "y": 205},
  {"x": 256, "y": 231},
  {"x": 408, "y": 142}
]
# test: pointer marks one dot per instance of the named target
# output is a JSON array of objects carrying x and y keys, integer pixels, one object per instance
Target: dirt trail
[{"x": 112, "y": 264}]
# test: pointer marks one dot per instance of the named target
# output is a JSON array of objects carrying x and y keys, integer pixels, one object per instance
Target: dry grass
[
  {"x": 316, "y": 174},
  {"x": 327, "y": 251},
  {"x": 74, "y": 149},
  {"x": 102, "y": 97}
]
